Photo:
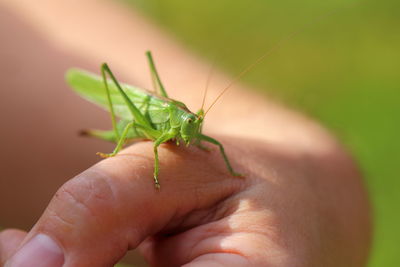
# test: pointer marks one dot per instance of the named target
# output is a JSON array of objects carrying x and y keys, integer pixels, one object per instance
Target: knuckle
[
  {"x": 90, "y": 194},
  {"x": 83, "y": 211}
]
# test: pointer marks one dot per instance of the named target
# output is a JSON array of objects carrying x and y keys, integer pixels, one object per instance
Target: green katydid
[{"x": 143, "y": 114}]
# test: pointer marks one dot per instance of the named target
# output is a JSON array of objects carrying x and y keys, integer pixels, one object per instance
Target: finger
[
  {"x": 97, "y": 216},
  {"x": 10, "y": 240}
]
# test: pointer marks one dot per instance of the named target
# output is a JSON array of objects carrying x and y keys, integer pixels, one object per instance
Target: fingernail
[{"x": 40, "y": 251}]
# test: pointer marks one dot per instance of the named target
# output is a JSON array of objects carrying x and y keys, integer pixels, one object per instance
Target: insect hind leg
[
  {"x": 159, "y": 87},
  {"x": 137, "y": 115}
]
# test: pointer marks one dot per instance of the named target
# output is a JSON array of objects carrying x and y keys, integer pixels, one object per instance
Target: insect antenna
[
  {"x": 277, "y": 45},
  {"x": 209, "y": 76}
]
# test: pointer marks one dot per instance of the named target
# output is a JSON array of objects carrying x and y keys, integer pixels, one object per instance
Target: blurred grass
[{"x": 343, "y": 70}]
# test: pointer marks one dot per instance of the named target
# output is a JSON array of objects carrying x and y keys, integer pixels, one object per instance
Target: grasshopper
[{"x": 142, "y": 113}]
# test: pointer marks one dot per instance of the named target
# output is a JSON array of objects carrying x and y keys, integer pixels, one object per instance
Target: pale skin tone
[{"x": 300, "y": 203}]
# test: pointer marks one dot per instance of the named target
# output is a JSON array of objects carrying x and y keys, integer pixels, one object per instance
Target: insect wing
[{"x": 91, "y": 87}]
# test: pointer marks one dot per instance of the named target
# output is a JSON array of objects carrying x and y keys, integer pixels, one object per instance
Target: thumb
[{"x": 97, "y": 216}]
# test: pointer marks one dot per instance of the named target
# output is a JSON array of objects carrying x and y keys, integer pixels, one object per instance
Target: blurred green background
[{"x": 342, "y": 70}]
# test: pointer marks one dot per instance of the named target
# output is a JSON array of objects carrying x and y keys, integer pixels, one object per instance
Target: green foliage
[{"x": 343, "y": 70}]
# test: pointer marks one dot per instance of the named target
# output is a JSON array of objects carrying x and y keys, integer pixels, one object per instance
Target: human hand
[
  {"x": 300, "y": 203},
  {"x": 290, "y": 209}
]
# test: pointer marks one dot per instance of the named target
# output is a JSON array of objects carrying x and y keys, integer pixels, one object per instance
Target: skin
[{"x": 301, "y": 202}]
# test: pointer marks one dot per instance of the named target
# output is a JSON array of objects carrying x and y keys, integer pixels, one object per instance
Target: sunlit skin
[{"x": 301, "y": 202}]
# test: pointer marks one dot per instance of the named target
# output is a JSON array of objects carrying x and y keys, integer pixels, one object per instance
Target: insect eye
[{"x": 189, "y": 120}]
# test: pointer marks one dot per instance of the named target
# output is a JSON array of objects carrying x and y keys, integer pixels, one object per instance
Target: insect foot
[
  {"x": 104, "y": 155},
  {"x": 237, "y": 174},
  {"x": 157, "y": 186}
]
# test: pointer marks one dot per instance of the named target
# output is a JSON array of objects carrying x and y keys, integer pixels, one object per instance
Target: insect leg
[
  {"x": 120, "y": 143},
  {"x": 162, "y": 139},
  {"x": 139, "y": 117},
  {"x": 201, "y": 146},
  {"x": 124, "y": 136},
  {"x": 113, "y": 120},
  {"x": 221, "y": 149},
  {"x": 154, "y": 75}
]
